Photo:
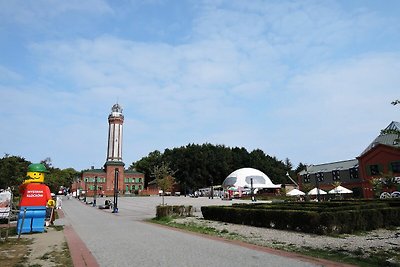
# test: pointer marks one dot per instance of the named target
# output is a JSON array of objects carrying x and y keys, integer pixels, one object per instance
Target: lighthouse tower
[
  {"x": 115, "y": 121},
  {"x": 114, "y": 150},
  {"x": 112, "y": 178}
]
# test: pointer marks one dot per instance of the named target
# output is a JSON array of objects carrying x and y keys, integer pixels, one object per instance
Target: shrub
[{"x": 179, "y": 211}]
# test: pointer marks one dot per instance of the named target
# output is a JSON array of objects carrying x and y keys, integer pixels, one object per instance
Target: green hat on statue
[{"x": 37, "y": 167}]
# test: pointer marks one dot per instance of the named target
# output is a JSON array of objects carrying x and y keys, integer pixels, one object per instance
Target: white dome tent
[{"x": 241, "y": 179}]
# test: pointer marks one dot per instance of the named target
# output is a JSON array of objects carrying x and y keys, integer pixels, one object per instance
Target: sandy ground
[
  {"x": 45, "y": 247},
  {"x": 365, "y": 243}
]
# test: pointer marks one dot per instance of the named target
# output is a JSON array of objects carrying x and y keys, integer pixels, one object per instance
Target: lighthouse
[
  {"x": 113, "y": 177},
  {"x": 114, "y": 161},
  {"x": 115, "y": 122}
]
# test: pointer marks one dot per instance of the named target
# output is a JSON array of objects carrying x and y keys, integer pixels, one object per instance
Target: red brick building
[
  {"x": 380, "y": 158},
  {"x": 113, "y": 174}
]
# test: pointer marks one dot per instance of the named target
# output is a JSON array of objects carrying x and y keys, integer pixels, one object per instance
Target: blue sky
[{"x": 311, "y": 81}]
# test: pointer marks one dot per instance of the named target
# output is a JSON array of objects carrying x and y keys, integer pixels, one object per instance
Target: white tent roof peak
[
  {"x": 243, "y": 177},
  {"x": 295, "y": 192},
  {"x": 340, "y": 190},
  {"x": 314, "y": 192}
]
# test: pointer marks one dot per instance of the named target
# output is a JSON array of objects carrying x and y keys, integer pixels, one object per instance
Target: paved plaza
[{"x": 124, "y": 239}]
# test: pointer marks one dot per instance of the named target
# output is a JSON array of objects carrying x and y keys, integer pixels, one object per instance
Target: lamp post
[
  {"x": 212, "y": 188},
  {"x": 317, "y": 176},
  {"x": 84, "y": 180},
  {"x": 95, "y": 192},
  {"x": 115, "y": 206},
  {"x": 252, "y": 190}
]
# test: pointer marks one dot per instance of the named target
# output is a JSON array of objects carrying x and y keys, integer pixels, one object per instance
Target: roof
[
  {"x": 133, "y": 171},
  {"x": 332, "y": 166},
  {"x": 387, "y": 137},
  {"x": 94, "y": 171},
  {"x": 244, "y": 176}
]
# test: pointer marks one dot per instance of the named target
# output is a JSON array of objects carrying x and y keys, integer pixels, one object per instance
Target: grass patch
[
  {"x": 358, "y": 257},
  {"x": 169, "y": 221},
  {"x": 58, "y": 257},
  {"x": 13, "y": 252},
  {"x": 16, "y": 252},
  {"x": 57, "y": 227},
  {"x": 192, "y": 227}
]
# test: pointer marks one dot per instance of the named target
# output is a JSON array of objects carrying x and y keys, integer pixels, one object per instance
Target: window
[
  {"x": 256, "y": 179},
  {"x": 395, "y": 166},
  {"x": 306, "y": 178},
  {"x": 374, "y": 169},
  {"x": 319, "y": 176},
  {"x": 230, "y": 181},
  {"x": 353, "y": 173},
  {"x": 336, "y": 175}
]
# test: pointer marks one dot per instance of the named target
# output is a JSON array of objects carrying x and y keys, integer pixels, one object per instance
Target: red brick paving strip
[{"x": 80, "y": 254}]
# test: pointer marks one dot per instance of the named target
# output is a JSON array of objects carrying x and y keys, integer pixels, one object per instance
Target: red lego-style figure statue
[{"x": 35, "y": 196}]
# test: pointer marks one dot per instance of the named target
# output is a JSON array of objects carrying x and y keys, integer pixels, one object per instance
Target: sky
[{"x": 311, "y": 81}]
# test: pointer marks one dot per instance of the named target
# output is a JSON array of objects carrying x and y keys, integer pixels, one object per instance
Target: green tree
[
  {"x": 13, "y": 171},
  {"x": 376, "y": 186},
  {"x": 164, "y": 177},
  {"x": 57, "y": 178},
  {"x": 202, "y": 165},
  {"x": 146, "y": 164},
  {"x": 389, "y": 182}
]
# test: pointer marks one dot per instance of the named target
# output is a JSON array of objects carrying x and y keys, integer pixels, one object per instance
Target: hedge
[
  {"x": 179, "y": 211},
  {"x": 311, "y": 219}
]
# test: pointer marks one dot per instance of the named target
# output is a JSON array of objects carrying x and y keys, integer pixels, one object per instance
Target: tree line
[
  {"x": 13, "y": 171},
  {"x": 197, "y": 166},
  {"x": 194, "y": 166}
]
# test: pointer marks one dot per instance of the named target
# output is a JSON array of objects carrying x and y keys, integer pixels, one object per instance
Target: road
[{"x": 124, "y": 239}]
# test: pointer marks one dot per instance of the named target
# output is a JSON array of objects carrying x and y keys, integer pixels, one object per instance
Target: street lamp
[
  {"x": 95, "y": 192},
  {"x": 252, "y": 190},
  {"x": 317, "y": 177},
  {"x": 115, "y": 206},
  {"x": 85, "y": 181},
  {"x": 212, "y": 188}
]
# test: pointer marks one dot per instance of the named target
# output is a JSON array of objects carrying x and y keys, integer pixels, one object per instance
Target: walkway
[{"x": 123, "y": 239}]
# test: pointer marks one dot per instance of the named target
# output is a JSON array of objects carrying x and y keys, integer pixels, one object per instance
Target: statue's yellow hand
[{"x": 51, "y": 203}]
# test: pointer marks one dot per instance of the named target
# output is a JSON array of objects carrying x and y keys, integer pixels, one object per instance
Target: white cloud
[
  {"x": 8, "y": 75},
  {"x": 337, "y": 110},
  {"x": 31, "y": 13},
  {"x": 302, "y": 80}
]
